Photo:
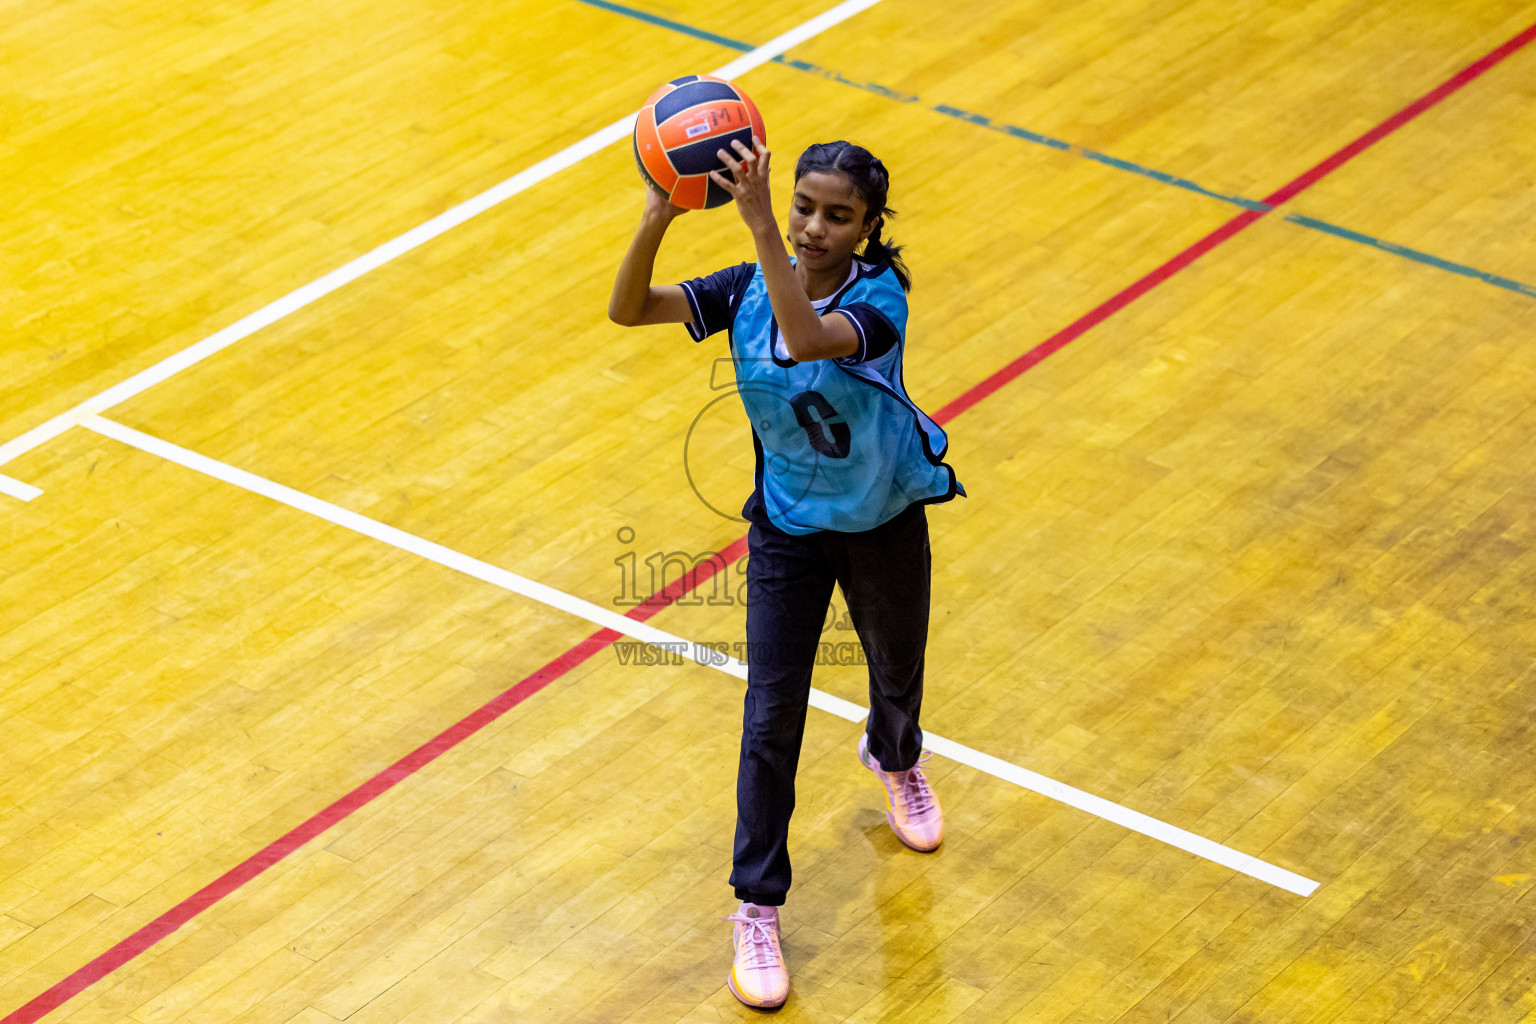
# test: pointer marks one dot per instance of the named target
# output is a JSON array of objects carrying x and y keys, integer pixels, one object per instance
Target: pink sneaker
[
  {"x": 758, "y": 977},
  {"x": 911, "y": 806}
]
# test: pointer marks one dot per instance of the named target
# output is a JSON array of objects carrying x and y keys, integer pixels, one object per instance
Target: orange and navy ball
[{"x": 680, "y": 128}]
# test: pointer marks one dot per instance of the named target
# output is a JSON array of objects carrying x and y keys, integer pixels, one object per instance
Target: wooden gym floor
[{"x": 315, "y": 701}]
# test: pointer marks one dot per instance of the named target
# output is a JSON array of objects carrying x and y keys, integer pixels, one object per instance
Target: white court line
[
  {"x": 1045, "y": 786},
  {"x": 17, "y": 489},
  {"x": 445, "y": 221}
]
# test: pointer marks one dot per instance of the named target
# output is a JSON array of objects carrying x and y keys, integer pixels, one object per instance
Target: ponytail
[
  {"x": 876, "y": 250},
  {"x": 872, "y": 182}
]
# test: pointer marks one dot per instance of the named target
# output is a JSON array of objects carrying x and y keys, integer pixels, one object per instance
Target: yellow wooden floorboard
[
  {"x": 1252, "y": 556},
  {"x": 1239, "y": 102},
  {"x": 195, "y": 169},
  {"x": 86, "y": 844},
  {"x": 1453, "y": 186}
]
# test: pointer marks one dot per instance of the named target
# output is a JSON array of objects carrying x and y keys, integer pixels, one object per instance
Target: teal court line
[
  {"x": 1428, "y": 259},
  {"x": 1024, "y": 134}
]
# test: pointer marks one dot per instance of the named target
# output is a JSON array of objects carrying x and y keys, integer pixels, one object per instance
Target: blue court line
[
  {"x": 1093, "y": 154},
  {"x": 675, "y": 26},
  {"x": 1162, "y": 177},
  {"x": 1413, "y": 254}
]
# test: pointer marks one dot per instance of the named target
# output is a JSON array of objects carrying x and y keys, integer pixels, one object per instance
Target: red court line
[
  {"x": 451, "y": 737},
  {"x": 1077, "y": 328}
]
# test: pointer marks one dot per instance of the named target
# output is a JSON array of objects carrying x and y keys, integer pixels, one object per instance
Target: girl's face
[{"x": 826, "y": 220}]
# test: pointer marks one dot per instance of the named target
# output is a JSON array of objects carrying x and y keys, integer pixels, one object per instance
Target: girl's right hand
[{"x": 656, "y": 205}]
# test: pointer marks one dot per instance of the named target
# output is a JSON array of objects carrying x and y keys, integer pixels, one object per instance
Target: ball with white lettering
[{"x": 679, "y": 130}]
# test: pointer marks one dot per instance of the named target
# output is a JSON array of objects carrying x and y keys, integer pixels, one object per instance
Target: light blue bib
[{"x": 840, "y": 445}]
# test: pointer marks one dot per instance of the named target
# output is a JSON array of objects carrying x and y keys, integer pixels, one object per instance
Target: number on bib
[{"x": 842, "y": 440}]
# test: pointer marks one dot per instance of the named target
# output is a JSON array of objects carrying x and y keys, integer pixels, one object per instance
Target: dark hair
[{"x": 872, "y": 182}]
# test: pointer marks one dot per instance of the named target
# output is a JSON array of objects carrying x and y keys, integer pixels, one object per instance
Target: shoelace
[
  {"x": 762, "y": 951},
  {"x": 916, "y": 794}
]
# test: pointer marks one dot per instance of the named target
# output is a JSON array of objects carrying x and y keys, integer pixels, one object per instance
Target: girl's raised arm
[
  {"x": 807, "y": 334},
  {"x": 635, "y": 300}
]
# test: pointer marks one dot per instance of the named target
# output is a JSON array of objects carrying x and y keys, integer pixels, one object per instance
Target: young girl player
[{"x": 845, "y": 464}]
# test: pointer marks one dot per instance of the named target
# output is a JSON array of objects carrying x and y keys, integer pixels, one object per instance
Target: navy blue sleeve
[
  {"x": 877, "y": 335},
  {"x": 714, "y": 298}
]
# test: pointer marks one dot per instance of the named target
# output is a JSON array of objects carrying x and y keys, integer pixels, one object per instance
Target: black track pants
[{"x": 884, "y": 575}]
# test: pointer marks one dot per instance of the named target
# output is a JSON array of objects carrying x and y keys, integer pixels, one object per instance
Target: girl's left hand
[{"x": 750, "y": 189}]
